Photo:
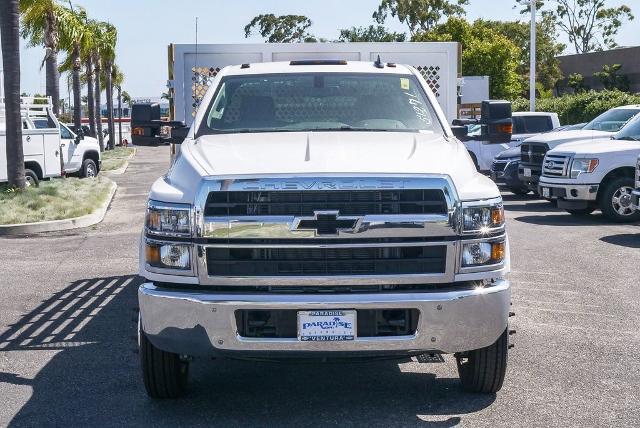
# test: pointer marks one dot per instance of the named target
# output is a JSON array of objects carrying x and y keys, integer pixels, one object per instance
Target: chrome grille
[
  {"x": 638, "y": 174},
  {"x": 555, "y": 166},
  {"x": 305, "y": 203},
  {"x": 499, "y": 165},
  {"x": 533, "y": 153}
]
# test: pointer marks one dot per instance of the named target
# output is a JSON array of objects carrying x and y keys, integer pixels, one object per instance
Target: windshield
[
  {"x": 631, "y": 130},
  {"x": 531, "y": 124},
  {"x": 612, "y": 120},
  {"x": 319, "y": 102}
]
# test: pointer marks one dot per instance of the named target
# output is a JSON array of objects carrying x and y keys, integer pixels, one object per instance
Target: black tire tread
[
  {"x": 485, "y": 369},
  {"x": 161, "y": 371}
]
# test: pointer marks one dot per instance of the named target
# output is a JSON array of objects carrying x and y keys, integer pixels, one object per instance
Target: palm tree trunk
[
  {"x": 119, "y": 115},
  {"x": 51, "y": 61},
  {"x": 10, "y": 34},
  {"x": 91, "y": 104},
  {"x": 109, "y": 91},
  {"x": 97, "y": 91},
  {"x": 77, "y": 103}
]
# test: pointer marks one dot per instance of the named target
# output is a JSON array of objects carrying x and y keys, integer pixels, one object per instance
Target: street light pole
[{"x": 532, "y": 65}]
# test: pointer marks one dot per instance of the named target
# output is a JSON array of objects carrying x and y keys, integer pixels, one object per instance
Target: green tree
[
  {"x": 75, "y": 35},
  {"x": 548, "y": 70},
  {"x": 109, "y": 38},
  {"x": 419, "y": 15},
  {"x": 611, "y": 79},
  {"x": 10, "y": 39},
  {"x": 584, "y": 21},
  {"x": 41, "y": 23},
  {"x": 372, "y": 33},
  {"x": 126, "y": 98},
  {"x": 117, "y": 79},
  {"x": 577, "y": 83},
  {"x": 485, "y": 52},
  {"x": 280, "y": 29}
]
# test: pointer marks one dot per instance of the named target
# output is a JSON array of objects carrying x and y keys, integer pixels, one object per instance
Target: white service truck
[
  {"x": 41, "y": 144},
  {"x": 600, "y": 174},
  {"x": 533, "y": 150},
  {"x": 324, "y": 209}
]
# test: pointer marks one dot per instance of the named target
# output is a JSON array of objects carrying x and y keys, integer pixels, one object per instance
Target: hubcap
[
  {"x": 29, "y": 181},
  {"x": 91, "y": 172},
  {"x": 621, "y": 201}
]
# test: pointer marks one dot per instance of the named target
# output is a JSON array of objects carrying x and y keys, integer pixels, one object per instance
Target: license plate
[
  {"x": 527, "y": 172},
  {"x": 546, "y": 192},
  {"x": 326, "y": 326}
]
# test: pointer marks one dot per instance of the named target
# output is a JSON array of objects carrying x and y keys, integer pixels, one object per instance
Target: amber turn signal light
[{"x": 497, "y": 251}]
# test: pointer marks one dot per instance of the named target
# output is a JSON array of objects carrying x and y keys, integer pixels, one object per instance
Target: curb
[
  {"x": 124, "y": 167},
  {"x": 65, "y": 224}
]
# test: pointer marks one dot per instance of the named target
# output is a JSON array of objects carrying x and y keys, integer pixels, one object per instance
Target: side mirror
[
  {"x": 460, "y": 132},
  {"x": 177, "y": 132},
  {"x": 496, "y": 122},
  {"x": 79, "y": 135}
]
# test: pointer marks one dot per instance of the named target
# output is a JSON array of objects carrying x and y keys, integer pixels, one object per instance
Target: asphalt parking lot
[{"x": 68, "y": 356}]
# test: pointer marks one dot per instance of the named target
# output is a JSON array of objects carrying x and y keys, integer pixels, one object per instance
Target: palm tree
[
  {"x": 117, "y": 78},
  {"x": 109, "y": 38},
  {"x": 74, "y": 37},
  {"x": 10, "y": 35},
  {"x": 41, "y": 21}
]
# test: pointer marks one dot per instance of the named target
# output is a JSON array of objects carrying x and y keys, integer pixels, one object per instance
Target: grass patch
[
  {"x": 116, "y": 158},
  {"x": 54, "y": 200}
]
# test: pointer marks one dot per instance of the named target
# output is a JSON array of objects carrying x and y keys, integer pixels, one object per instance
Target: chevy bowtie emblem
[{"x": 326, "y": 223}]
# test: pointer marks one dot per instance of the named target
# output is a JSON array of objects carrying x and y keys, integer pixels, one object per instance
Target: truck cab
[
  {"x": 324, "y": 209},
  {"x": 41, "y": 144},
  {"x": 587, "y": 175},
  {"x": 525, "y": 125},
  {"x": 534, "y": 149}
]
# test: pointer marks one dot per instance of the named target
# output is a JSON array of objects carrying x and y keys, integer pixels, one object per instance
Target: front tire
[
  {"x": 164, "y": 373},
  {"x": 615, "y": 201},
  {"x": 483, "y": 370},
  {"x": 89, "y": 169}
]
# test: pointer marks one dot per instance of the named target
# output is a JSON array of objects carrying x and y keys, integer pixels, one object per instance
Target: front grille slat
[
  {"x": 305, "y": 203},
  {"x": 326, "y": 261},
  {"x": 556, "y": 166}
]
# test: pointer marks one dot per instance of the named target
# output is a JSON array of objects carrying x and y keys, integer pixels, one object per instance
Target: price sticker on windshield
[{"x": 404, "y": 83}]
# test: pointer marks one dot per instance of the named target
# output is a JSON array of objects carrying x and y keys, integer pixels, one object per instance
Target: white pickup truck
[
  {"x": 525, "y": 125},
  {"x": 586, "y": 175},
  {"x": 324, "y": 209},
  {"x": 533, "y": 150},
  {"x": 41, "y": 145}
]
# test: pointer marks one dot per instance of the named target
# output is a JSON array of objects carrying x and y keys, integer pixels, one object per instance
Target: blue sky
[{"x": 146, "y": 27}]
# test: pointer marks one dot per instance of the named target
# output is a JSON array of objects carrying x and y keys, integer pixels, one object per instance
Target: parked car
[
  {"x": 525, "y": 124},
  {"x": 533, "y": 150},
  {"x": 504, "y": 169},
  {"x": 291, "y": 226},
  {"x": 41, "y": 145},
  {"x": 584, "y": 176}
]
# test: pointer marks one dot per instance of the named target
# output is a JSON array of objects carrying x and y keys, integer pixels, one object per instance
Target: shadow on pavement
[
  {"x": 565, "y": 219},
  {"x": 94, "y": 378},
  {"x": 631, "y": 240}
]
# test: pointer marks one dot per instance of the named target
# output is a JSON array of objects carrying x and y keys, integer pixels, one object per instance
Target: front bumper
[
  {"x": 569, "y": 191},
  {"x": 204, "y": 324}
]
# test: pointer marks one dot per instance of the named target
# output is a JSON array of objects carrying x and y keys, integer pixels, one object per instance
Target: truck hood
[
  {"x": 596, "y": 147},
  {"x": 334, "y": 153},
  {"x": 560, "y": 137}
]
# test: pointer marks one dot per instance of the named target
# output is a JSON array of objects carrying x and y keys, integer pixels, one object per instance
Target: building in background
[{"x": 589, "y": 63}]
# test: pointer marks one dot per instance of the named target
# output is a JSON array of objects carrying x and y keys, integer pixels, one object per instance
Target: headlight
[
  {"x": 483, "y": 253},
  {"x": 483, "y": 218},
  {"x": 168, "y": 219},
  {"x": 168, "y": 256},
  {"x": 579, "y": 166}
]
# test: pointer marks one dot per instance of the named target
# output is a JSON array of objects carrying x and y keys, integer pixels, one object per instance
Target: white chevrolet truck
[
  {"x": 324, "y": 209},
  {"x": 599, "y": 174}
]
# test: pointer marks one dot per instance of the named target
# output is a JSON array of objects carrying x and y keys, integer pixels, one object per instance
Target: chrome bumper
[
  {"x": 635, "y": 199},
  {"x": 204, "y": 324},
  {"x": 577, "y": 192}
]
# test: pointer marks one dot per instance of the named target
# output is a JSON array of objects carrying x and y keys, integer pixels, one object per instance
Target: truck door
[{"x": 68, "y": 147}]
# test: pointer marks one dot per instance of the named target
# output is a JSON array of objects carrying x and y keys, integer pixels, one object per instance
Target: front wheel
[
  {"x": 31, "y": 178},
  {"x": 164, "y": 373},
  {"x": 89, "y": 169},
  {"x": 483, "y": 370},
  {"x": 615, "y": 201}
]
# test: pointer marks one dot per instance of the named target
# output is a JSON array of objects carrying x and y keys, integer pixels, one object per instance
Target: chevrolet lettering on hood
[{"x": 333, "y": 184}]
